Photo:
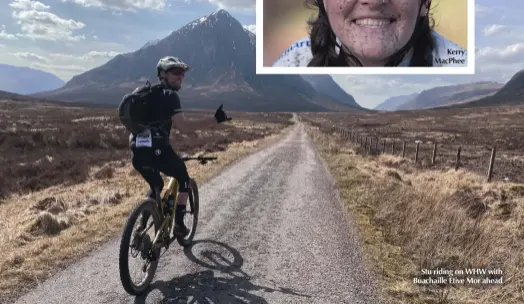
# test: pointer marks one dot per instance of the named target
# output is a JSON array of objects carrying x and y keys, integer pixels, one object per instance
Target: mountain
[
  {"x": 24, "y": 80},
  {"x": 14, "y": 96},
  {"x": 149, "y": 43},
  {"x": 512, "y": 93},
  {"x": 25, "y": 98},
  {"x": 221, "y": 54},
  {"x": 451, "y": 95},
  {"x": 325, "y": 84},
  {"x": 391, "y": 104}
]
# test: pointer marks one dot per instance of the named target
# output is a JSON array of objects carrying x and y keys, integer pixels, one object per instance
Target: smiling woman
[{"x": 371, "y": 33}]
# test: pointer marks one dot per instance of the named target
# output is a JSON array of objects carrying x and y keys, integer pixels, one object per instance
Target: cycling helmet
[{"x": 170, "y": 62}]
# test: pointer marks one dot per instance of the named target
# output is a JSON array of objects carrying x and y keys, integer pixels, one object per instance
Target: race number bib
[{"x": 143, "y": 139}]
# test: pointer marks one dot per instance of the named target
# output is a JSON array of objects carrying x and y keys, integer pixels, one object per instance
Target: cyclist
[{"x": 151, "y": 148}]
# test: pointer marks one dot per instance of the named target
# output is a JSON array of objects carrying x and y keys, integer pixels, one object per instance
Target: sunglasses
[{"x": 177, "y": 72}]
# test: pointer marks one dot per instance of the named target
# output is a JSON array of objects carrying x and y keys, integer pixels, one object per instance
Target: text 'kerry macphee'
[{"x": 454, "y": 56}]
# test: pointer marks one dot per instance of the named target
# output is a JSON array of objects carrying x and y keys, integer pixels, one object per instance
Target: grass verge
[
  {"x": 446, "y": 221},
  {"x": 47, "y": 230}
]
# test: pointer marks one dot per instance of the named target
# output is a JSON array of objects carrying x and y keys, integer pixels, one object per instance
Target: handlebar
[{"x": 201, "y": 159}]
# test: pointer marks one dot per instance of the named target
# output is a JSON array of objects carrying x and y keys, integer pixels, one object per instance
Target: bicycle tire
[
  {"x": 187, "y": 240},
  {"x": 151, "y": 206}
]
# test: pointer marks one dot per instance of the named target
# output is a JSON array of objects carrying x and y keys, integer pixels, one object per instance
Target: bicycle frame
[{"x": 172, "y": 188}]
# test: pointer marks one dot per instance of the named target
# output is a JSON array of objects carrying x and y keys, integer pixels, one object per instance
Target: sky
[{"x": 67, "y": 37}]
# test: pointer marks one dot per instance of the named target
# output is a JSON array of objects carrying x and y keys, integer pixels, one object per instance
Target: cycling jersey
[
  {"x": 159, "y": 113},
  {"x": 445, "y": 54}
]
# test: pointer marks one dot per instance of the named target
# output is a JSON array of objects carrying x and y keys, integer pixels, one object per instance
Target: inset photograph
[{"x": 365, "y": 37}]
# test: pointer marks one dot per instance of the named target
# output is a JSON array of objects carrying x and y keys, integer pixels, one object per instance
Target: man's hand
[{"x": 220, "y": 115}]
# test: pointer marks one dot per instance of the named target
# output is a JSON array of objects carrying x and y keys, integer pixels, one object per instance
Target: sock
[{"x": 179, "y": 213}]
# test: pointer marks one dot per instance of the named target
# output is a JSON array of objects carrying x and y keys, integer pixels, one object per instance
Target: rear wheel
[
  {"x": 140, "y": 247},
  {"x": 191, "y": 215}
]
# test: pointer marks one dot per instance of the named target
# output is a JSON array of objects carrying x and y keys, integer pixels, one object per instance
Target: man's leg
[
  {"x": 173, "y": 165},
  {"x": 142, "y": 163}
]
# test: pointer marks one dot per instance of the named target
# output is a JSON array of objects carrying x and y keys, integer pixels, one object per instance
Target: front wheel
[
  {"x": 191, "y": 213},
  {"x": 140, "y": 247}
]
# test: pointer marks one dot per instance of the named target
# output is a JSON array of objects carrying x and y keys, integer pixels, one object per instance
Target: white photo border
[{"x": 261, "y": 69}]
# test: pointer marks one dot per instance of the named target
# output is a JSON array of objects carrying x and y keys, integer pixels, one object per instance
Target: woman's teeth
[{"x": 373, "y": 22}]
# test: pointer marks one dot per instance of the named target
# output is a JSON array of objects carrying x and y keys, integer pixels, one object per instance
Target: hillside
[
  {"x": 325, "y": 84},
  {"x": 4, "y": 95},
  {"x": 450, "y": 95},
  {"x": 392, "y": 103},
  {"x": 24, "y": 80},
  {"x": 512, "y": 93},
  {"x": 221, "y": 54}
]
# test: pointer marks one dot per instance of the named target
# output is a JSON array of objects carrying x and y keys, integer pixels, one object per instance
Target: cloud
[
  {"x": 238, "y": 4},
  {"x": 54, "y": 57},
  {"x": 5, "y": 35},
  {"x": 28, "y": 5},
  {"x": 482, "y": 11},
  {"x": 62, "y": 64},
  {"x": 388, "y": 83},
  {"x": 30, "y": 56},
  {"x": 122, "y": 5},
  {"x": 88, "y": 56},
  {"x": 252, "y": 28},
  {"x": 507, "y": 54},
  {"x": 47, "y": 26},
  {"x": 229, "y": 4},
  {"x": 58, "y": 67},
  {"x": 493, "y": 29}
]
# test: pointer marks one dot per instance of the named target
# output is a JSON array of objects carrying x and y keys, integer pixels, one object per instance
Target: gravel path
[{"x": 271, "y": 230}]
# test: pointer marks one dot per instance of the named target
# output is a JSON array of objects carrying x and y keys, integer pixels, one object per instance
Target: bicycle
[{"x": 163, "y": 222}]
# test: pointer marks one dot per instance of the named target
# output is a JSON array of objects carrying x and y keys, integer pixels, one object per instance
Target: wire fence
[{"x": 485, "y": 160}]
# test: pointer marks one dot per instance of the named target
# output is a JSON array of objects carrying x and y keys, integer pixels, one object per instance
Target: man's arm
[
  {"x": 179, "y": 120},
  {"x": 186, "y": 126}
]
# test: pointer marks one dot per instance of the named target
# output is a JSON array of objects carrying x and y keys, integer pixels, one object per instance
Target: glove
[{"x": 220, "y": 115}]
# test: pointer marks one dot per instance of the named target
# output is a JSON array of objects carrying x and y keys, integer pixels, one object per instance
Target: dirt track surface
[{"x": 271, "y": 230}]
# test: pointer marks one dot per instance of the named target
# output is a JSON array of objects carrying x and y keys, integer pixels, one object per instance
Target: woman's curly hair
[{"x": 324, "y": 41}]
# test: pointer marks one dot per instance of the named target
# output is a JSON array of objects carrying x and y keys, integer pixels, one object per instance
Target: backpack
[{"x": 133, "y": 108}]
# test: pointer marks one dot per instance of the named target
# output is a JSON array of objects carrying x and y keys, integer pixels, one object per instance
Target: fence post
[
  {"x": 416, "y": 152},
  {"x": 370, "y": 145},
  {"x": 403, "y": 149},
  {"x": 491, "y": 163},
  {"x": 384, "y": 146},
  {"x": 434, "y": 153},
  {"x": 376, "y": 146},
  {"x": 457, "y": 164},
  {"x": 393, "y": 148}
]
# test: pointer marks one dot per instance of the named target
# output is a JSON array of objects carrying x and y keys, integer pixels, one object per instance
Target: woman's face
[{"x": 373, "y": 30}]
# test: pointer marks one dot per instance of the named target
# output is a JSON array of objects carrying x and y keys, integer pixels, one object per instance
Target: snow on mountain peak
[
  {"x": 150, "y": 43},
  {"x": 209, "y": 19}
]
